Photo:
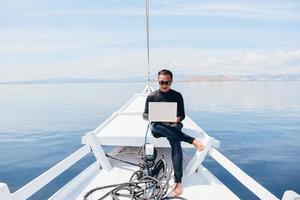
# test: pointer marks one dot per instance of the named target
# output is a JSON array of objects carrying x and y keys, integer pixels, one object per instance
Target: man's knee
[
  {"x": 156, "y": 129},
  {"x": 154, "y": 125},
  {"x": 156, "y": 135}
]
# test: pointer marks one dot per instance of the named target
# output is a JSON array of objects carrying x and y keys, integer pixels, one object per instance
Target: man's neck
[{"x": 164, "y": 91}]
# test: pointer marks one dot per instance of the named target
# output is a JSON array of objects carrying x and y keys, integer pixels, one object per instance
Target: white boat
[{"x": 125, "y": 130}]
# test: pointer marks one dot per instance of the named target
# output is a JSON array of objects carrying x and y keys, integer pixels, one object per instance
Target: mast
[{"x": 148, "y": 54}]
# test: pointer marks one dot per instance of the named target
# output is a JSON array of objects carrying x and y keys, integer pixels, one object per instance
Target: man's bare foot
[
  {"x": 177, "y": 190},
  {"x": 198, "y": 145}
]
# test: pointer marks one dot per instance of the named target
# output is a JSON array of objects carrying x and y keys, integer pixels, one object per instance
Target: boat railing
[
  {"x": 247, "y": 181},
  {"x": 241, "y": 176},
  {"x": 210, "y": 149},
  {"x": 35, "y": 185}
]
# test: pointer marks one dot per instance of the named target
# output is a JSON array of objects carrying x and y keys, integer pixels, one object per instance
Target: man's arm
[
  {"x": 180, "y": 108},
  {"x": 145, "y": 113}
]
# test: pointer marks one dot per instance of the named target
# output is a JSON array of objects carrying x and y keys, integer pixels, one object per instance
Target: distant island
[
  {"x": 178, "y": 78},
  {"x": 262, "y": 77}
]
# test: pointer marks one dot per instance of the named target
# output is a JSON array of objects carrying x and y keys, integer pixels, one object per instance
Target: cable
[
  {"x": 144, "y": 187},
  {"x": 146, "y": 134},
  {"x": 134, "y": 164},
  {"x": 152, "y": 186}
]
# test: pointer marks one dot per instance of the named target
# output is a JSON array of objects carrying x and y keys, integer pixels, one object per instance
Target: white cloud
[
  {"x": 234, "y": 63},
  {"x": 85, "y": 44},
  {"x": 133, "y": 63},
  {"x": 94, "y": 66}
]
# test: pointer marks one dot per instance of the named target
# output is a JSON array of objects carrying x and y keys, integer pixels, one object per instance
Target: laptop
[{"x": 162, "y": 111}]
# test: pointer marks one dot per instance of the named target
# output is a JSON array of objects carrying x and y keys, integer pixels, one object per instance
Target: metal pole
[{"x": 147, "y": 32}]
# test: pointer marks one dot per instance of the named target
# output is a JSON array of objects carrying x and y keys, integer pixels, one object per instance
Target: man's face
[{"x": 164, "y": 82}]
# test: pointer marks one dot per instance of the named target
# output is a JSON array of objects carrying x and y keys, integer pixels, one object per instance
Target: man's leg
[
  {"x": 175, "y": 136},
  {"x": 162, "y": 130},
  {"x": 177, "y": 165},
  {"x": 176, "y": 159}
]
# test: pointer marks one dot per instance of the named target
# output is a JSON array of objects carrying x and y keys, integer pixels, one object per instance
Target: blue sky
[{"x": 106, "y": 39}]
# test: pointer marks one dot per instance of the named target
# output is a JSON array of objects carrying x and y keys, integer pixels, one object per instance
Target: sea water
[{"x": 258, "y": 124}]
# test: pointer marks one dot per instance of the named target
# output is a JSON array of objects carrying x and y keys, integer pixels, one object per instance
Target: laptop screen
[{"x": 162, "y": 111}]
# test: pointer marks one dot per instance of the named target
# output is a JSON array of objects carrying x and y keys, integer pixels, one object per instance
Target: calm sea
[{"x": 258, "y": 124}]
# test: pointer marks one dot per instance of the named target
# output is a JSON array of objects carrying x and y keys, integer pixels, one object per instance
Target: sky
[{"x": 107, "y": 39}]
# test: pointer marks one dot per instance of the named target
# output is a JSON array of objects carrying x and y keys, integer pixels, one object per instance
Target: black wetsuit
[
  {"x": 170, "y": 96},
  {"x": 170, "y": 130}
]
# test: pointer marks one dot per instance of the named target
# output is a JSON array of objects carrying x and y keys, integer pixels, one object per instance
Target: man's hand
[{"x": 176, "y": 122}]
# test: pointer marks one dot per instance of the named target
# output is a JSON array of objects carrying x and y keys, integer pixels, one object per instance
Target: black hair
[{"x": 165, "y": 72}]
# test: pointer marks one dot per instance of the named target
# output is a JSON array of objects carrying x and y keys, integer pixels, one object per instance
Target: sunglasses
[{"x": 164, "y": 82}]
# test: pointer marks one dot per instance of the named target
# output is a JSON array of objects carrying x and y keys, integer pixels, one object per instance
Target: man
[{"x": 171, "y": 130}]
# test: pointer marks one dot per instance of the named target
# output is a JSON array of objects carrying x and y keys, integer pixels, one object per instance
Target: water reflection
[{"x": 240, "y": 96}]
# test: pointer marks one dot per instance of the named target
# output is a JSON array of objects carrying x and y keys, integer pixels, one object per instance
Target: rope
[{"x": 146, "y": 134}]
